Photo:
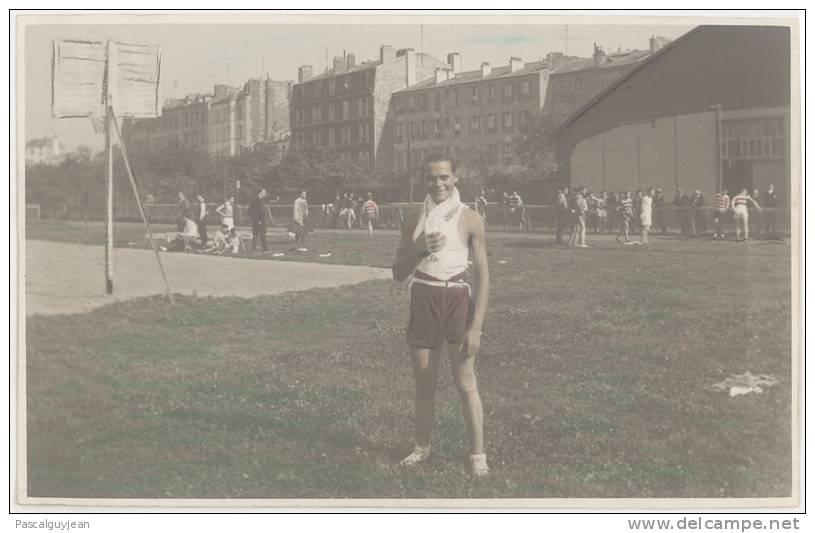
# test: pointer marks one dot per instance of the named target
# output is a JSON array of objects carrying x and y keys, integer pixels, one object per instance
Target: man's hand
[
  {"x": 471, "y": 344},
  {"x": 432, "y": 242}
]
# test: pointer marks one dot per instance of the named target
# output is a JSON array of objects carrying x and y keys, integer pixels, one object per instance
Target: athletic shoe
[
  {"x": 418, "y": 455},
  {"x": 582, "y": 245},
  {"x": 478, "y": 465},
  {"x": 162, "y": 248}
]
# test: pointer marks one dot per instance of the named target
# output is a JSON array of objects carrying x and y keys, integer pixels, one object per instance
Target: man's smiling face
[{"x": 439, "y": 180}]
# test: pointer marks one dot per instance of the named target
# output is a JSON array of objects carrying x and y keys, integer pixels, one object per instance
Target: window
[
  {"x": 507, "y": 91},
  {"x": 324, "y": 113},
  {"x": 508, "y": 121},
  {"x": 457, "y": 126},
  {"x": 437, "y": 100},
  {"x": 315, "y": 114},
  {"x": 330, "y": 83},
  {"x": 331, "y": 111},
  {"x": 473, "y": 93},
  {"x": 345, "y": 109},
  {"x": 422, "y": 101},
  {"x": 474, "y": 125},
  {"x": 524, "y": 89},
  {"x": 492, "y": 92},
  {"x": 331, "y": 140},
  {"x": 411, "y": 102},
  {"x": 315, "y": 137},
  {"x": 523, "y": 120},
  {"x": 398, "y": 103},
  {"x": 436, "y": 127},
  {"x": 491, "y": 123}
]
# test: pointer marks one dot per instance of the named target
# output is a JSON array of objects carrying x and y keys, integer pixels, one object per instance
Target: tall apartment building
[
  {"x": 347, "y": 107},
  {"x": 479, "y": 113},
  {"x": 466, "y": 113},
  {"x": 223, "y": 123}
]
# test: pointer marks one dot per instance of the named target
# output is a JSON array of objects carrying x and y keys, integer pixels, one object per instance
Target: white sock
[{"x": 479, "y": 464}]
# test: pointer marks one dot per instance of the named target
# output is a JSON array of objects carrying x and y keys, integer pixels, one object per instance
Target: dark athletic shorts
[{"x": 438, "y": 314}]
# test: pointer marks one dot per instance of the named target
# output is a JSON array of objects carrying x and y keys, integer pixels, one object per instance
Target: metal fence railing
[{"x": 536, "y": 218}]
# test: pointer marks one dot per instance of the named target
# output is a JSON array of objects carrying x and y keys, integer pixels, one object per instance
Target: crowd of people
[{"x": 626, "y": 214}]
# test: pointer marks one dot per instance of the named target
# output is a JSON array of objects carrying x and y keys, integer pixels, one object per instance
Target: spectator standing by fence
[
  {"x": 682, "y": 203},
  {"x": 636, "y": 205},
  {"x": 562, "y": 213},
  {"x": 645, "y": 215},
  {"x": 613, "y": 215},
  {"x": 371, "y": 213},
  {"x": 659, "y": 215},
  {"x": 481, "y": 205},
  {"x": 626, "y": 211},
  {"x": 257, "y": 213},
  {"x": 721, "y": 203},
  {"x": 227, "y": 212},
  {"x": 602, "y": 212},
  {"x": 184, "y": 210},
  {"x": 201, "y": 219},
  {"x": 697, "y": 214},
  {"x": 769, "y": 199},
  {"x": 300, "y": 217},
  {"x": 581, "y": 208}
]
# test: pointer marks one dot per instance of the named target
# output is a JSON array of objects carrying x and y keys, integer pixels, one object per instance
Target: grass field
[{"x": 593, "y": 377}]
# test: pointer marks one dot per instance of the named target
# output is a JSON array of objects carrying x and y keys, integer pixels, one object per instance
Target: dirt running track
[{"x": 69, "y": 278}]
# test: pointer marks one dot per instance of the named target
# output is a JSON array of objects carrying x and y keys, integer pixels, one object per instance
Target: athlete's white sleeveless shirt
[{"x": 452, "y": 259}]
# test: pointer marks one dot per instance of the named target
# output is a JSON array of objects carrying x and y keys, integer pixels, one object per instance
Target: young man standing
[
  {"x": 721, "y": 203},
  {"x": 433, "y": 251},
  {"x": 300, "y": 217},
  {"x": 371, "y": 212},
  {"x": 257, "y": 212}
]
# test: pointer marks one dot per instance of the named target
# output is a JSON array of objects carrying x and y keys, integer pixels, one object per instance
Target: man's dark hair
[{"x": 440, "y": 158}]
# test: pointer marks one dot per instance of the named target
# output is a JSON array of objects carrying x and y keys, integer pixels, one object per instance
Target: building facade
[
  {"x": 467, "y": 114},
  {"x": 224, "y": 123},
  {"x": 346, "y": 108},
  {"x": 710, "y": 110},
  {"x": 44, "y": 151}
]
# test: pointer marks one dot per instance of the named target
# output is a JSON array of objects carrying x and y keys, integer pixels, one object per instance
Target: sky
[{"x": 196, "y": 56}]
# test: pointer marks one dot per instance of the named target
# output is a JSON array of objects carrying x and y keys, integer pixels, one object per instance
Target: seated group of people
[{"x": 225, "y": 240}]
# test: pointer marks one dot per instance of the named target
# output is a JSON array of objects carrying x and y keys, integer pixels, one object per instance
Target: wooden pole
[{"x": 109, "y": 203}]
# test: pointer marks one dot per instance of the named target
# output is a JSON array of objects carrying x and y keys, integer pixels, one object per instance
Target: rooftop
[
  {"x": 475, "y": 75},
  {"x": 365, "y": 65}
]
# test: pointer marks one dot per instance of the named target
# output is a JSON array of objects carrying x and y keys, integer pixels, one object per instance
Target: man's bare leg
[
  {"x": 467, "y": 385},
  {"x": 426, "y": 372},
  {"x": 464, "y": 376}
]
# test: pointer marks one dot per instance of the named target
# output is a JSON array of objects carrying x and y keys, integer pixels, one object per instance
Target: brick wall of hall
[{"x": 569, "y": 91}]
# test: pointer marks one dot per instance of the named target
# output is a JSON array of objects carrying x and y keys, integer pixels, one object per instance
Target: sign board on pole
[
  {"x": 134, "y": 71},
  {"x": 85, "y": 73},
  {"x": 78, "y": 78}
]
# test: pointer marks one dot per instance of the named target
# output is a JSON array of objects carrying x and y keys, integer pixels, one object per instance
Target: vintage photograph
[{"x": 403, "y": 259}]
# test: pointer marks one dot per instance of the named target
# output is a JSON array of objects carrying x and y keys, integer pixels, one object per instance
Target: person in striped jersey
[
  {"x": 721, "y": 203},
  {"x": 371, "y": 213},
  {"x": 740, "y": 212},
  {"x": 625, "y": 207}
]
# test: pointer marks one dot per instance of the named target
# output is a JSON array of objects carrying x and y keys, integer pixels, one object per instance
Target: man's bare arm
[
  {"x": 478, "y": 242},
  {"x": 409, "y": 252}
]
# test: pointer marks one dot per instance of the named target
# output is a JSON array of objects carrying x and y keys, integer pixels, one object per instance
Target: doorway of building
[{"x": 737, "y": 174}]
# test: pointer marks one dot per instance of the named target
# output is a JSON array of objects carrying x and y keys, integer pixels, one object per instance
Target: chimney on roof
[
  {"x": 304, "y": 73},
  {"x": 599, "y": 55},
  {"x": 486, "y": 69},
  {"x": 556, "y": 60},
  {"x": 351, "y": 61},
  {"x": 515, "y": 64},
  {"x": 386, "y": 53},
  {"x": 339, "y": 65},
  {"x": 655, "y": 43},
  {"x": 410, "y": 67},
  {"x": 454, "y": 60}
]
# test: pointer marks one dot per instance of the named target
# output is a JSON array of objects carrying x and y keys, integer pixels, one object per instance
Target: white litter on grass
[
  {"x": 302, "y": 249},
  {"x": 741, "y": 384},
  {"x": 292, "y": 235},
  {"x": 502, "y": 262},
  {"x": 279, "y": 254},
  {"x": 325, "y": 255}
]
